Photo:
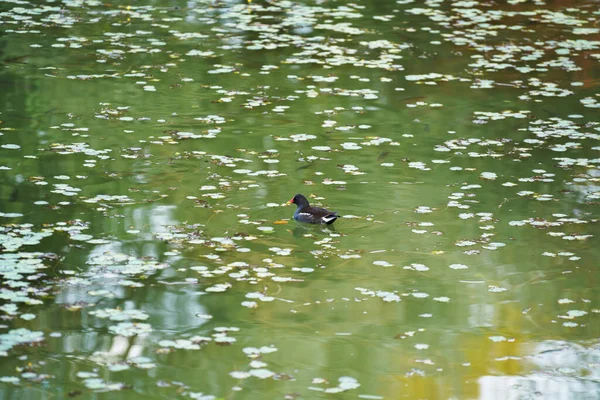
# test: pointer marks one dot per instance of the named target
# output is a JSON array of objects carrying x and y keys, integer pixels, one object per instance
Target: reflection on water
[
  {"x": 146, "y": 153},
  {"x": 300, "y": 230}
]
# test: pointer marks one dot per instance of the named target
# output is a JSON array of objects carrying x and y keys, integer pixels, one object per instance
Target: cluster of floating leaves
[
  {"x": 344, "y": 383},
  {"x": 24, "y": 274},
  {"x": 18, "y": 337},
  {"x": 257, "y": 366},
  {"x": 271, "y": 268},
  {"x": 91, "y": 380},
  {"x": 115, "y": 268},
  {"x": 116, "y": 314}
]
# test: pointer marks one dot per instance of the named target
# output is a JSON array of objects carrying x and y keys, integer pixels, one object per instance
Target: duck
[{"x": 311, "y": 215}]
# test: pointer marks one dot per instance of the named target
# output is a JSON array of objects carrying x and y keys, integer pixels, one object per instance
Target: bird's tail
[{"x": 329, "y": 218}]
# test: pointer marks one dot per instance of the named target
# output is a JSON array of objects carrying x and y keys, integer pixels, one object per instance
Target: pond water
[{"x": 147, "y": 150}]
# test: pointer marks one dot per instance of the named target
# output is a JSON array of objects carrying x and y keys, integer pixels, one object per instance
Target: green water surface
[{"x": 147, "y": 150}]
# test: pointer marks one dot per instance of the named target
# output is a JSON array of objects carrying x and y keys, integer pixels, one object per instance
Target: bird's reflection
[{"x": 300, "y": 230}]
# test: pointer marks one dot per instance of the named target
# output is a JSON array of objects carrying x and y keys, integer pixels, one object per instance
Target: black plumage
[{"x": 312, "y": 215}]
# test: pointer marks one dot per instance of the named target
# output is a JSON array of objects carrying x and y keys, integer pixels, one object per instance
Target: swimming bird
[{"x": 311, "y": 215}]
